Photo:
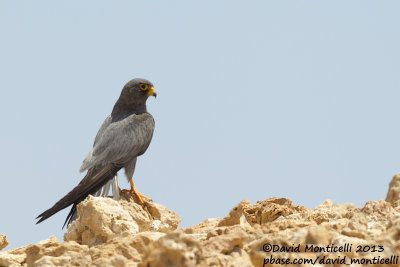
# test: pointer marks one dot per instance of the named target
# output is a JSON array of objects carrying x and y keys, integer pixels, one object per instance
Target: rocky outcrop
[
  {"x": 102, "y": 219},
  {"x": 268, "y": 233},
  {"x": 3, "y": 242},
  {"x": 393, "y": 195}
]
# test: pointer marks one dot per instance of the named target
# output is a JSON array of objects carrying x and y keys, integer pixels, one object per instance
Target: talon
[
  {"x": 133, "y": 191},
  {"x": 124, "y": 191},
  {"x": 147, "y": 198}
]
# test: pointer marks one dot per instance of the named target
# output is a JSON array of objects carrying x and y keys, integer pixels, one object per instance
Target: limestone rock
[
  {"x": 393, "y": 194},
  {"x": 201, "y": 230},
  {"x": 100, "y": 219},
  {"x": 203, "y": 227},
  {"x": 222, "y": 249},
  {"x": 378, "y": 210},
  {"x": 122, "y": 233},
  {"x": 173, "y": 249},
  {"x": 234, "y": 215},
  {"x": 3, "y": 241},
  {"x": 164, "y": 220},
  {"x": 54, "y": 253},
  {"x": 270, "y": 209},
  {"x": 328, "y": 212}
]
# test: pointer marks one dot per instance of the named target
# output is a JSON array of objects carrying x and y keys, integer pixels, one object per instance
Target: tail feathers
[
  {"x": 92, "y": 182},
  {"x": 102, "y": 192},
  {"x": 115, "y": 188},
  {"x": 71, "y": 216}
]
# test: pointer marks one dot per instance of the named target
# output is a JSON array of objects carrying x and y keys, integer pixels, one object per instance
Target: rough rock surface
[
  {"x": 393, "y": 196},
  {"x": 111, "y": 233},
  {"x": 3, "y": 242}
]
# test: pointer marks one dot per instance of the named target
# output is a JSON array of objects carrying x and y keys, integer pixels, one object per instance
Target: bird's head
[{"x": 137, "y": 91}]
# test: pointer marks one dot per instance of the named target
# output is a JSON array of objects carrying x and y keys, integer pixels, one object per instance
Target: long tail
[
  {"x": 92, "y": 182},
  {"x": 102, "y": 192}
]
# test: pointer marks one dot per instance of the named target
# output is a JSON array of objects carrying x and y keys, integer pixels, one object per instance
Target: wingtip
[
  {"x": 82, "y": 169},
  {"x": 39, "y": 217},
  {"x": 45, "y": 215},
  {"x": 40, "y": 220},
  {"x": 86, "y": 162}
]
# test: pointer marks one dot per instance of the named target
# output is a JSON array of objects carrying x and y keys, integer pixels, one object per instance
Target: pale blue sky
[{"x": 256, "y": 99}]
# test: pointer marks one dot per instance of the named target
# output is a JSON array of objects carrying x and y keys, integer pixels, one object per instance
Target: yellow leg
[{"x": 136, "y": 193}]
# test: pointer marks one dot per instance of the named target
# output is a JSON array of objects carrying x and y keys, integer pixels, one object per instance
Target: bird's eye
[{"x": 144, "y": 86}]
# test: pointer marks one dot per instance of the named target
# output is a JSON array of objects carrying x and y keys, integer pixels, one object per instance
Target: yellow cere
[{"x": 151, "y": 91}]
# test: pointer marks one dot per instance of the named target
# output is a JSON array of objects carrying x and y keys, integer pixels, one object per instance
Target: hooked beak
[{"x": 152, "y": 92}]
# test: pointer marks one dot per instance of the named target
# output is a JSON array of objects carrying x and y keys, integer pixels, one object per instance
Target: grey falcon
[{"x": 123, "y": 136}]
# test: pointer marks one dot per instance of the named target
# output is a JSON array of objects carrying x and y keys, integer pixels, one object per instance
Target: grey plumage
[
  {"x": 123, "y": 136},
  {"x": 115, "y": 143}
]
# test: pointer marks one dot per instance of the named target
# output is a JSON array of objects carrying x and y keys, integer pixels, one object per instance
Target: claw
[{"x": 133, "y": 191}]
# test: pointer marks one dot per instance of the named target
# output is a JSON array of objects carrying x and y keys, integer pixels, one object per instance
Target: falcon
[{"x": 124, "y": 135}]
